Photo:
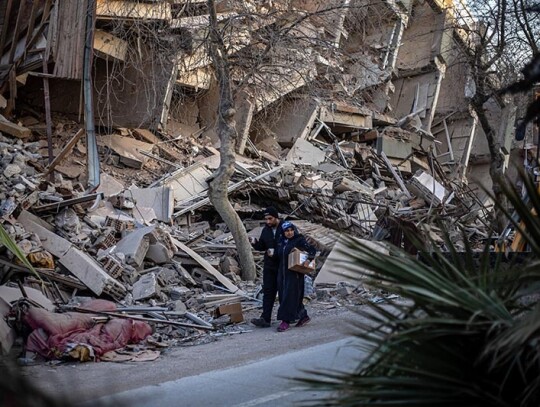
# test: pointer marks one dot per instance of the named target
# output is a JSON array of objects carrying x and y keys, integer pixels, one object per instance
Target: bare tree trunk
[
  {"x": 496, "y": 167},
  {"x": 226, "y": 129}
]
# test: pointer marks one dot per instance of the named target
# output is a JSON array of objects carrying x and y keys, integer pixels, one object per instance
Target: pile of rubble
[
  {"x": 157, "y": 253},
  {"x": 352, "y": 126}
]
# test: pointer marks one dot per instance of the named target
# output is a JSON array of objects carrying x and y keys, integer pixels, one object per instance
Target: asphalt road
[
  {"x": 89, "y": 381},
  {"x": 264, "y": 383}
]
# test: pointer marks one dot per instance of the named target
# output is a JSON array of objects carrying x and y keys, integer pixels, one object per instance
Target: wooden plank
[
  {"x": 208, "y": 267},
  {"x": 69, "y": 45},
  {"x": 32, "y": 20},
  {"x": 14, "y": 129},
  {"x": 16, "y": 32},
  {"x": 65, "y": 151},
  {"x": 12, "y": 91},
  {"x": 5, "y": 26}
]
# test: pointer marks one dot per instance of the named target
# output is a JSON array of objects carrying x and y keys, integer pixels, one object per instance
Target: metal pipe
[{"x": 92, "y": 157}]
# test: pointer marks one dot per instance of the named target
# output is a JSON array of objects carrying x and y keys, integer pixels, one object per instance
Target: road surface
[
  {"x": 259, "y": 384},
  {"x": 78, "y": 382}
]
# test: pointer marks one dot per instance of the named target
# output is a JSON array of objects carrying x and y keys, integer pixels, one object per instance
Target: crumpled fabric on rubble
[{"x": 75, "y": 334}]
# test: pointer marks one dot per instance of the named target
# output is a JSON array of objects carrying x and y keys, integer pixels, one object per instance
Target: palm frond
[
  {"x": 465, "y": 331},
  {"x": 10, "y": 244}
]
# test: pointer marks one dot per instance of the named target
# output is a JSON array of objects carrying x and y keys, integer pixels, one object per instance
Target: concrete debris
[
  {"x": 386, "y": 146},
  {"x": 428, "y": 188},
  {"x": 146, "y": 287}
]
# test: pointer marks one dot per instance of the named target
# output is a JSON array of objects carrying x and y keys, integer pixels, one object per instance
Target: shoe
[
  {"x": 260, "y": 322},
  {"x": 283, "y": 326},
  {"x": 303, "y": 321}
]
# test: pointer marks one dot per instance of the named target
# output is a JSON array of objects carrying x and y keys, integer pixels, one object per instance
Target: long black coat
[
  {"x": 270, "y": 270},
  {"x": 291, "y": 283}
]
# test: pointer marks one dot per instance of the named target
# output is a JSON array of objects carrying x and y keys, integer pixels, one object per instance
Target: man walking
[{"x": 267, "y": 242}]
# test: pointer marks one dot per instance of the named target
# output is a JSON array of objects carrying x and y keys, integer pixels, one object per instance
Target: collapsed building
[{"x": 353, "y": 117}]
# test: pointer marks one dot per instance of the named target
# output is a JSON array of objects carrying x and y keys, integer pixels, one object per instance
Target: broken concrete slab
[
  {"x": 50, "y": 241},
  {"x": 338, "y": 266},
  {"x": 7, "y": 334},
  {"x": 160, "y": 199},
  {"x": 109, "y": 186},
  {"x": 424, "y": 185},
  {"x": 345, "y": 184},
  {"x": 12, "y": 294},
  {"x": 159, "y": 253},
  {"x": 330, "y": 168},
  {"x": 209, "y": 268},
  {"x": 348, "y": 116},
  {"x": 70, "y": 171},
  {"x": 135, "y": 245},
  {"x": 394, "y": 148},
  {"x": 76, "y": 261},
  {"x": 145, "y": 287},
  {"x": 91, "y": 274},
  {"x": 144, "y": 215},
  {"x": 303, "y": 152},
  {"x": 188, "y": 182},
  {"x": 128, "y": 149}
]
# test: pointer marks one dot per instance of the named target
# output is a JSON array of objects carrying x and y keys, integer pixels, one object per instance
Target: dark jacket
[{"x": 269, "y": 241}]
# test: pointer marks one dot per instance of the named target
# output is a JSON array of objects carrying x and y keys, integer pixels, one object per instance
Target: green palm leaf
[
  {"x": 6, "y": 240},
  {"x": 465, "y": 333}
]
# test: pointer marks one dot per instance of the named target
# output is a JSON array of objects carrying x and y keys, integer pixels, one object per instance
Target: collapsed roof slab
[
  {"x": 343, "y": 118},
  {"x": 425, "y": 38},
  {"x": 270, "y": 87},
  {"x": 295, "y": 118},
  {"x": 290, "y": 120},
  {"x": 107, "y": 46},
  {"x": 418, "y": 95},
  {"x": 133, "y": 10}
]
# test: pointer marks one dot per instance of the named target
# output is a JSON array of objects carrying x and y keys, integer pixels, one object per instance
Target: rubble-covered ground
[{"x": 145, "y": 259}]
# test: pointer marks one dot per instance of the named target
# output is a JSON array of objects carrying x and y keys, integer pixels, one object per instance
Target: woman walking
[{"x": 291, "y": 283}]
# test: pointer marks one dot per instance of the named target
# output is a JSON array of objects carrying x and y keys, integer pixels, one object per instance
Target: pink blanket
[{"x": 56, "y": 334}]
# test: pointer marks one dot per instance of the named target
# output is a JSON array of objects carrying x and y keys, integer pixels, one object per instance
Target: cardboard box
[
  {"x": 296, "y": 262},
  {"x": 234, "y": 310}
]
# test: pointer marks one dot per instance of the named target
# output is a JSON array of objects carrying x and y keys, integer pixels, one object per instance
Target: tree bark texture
[
  {"x": 226, "y": 129},
  {"x": 496, "y": 167}
]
